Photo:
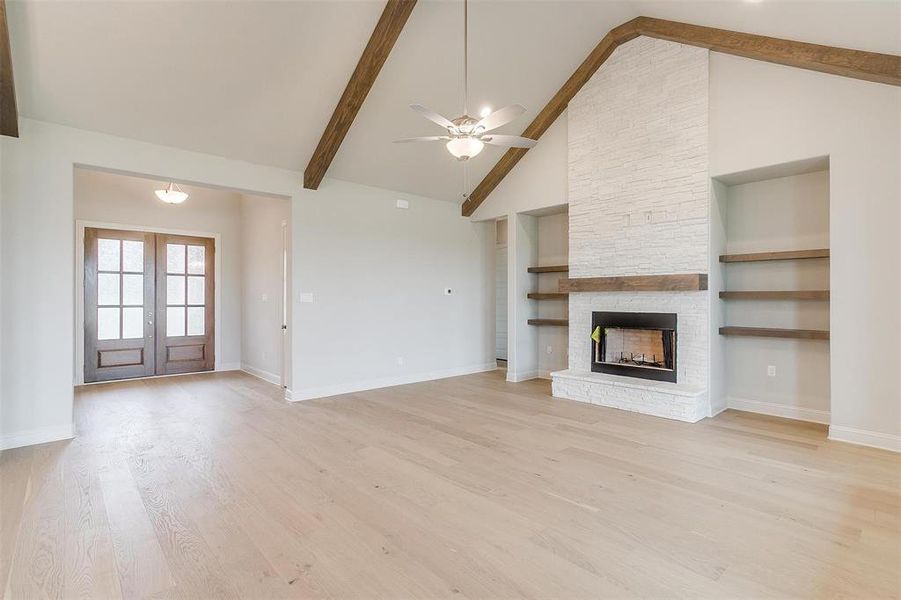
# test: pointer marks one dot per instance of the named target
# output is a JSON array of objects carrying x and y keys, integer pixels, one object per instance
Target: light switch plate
[
  {"x": 305, "y": 297},
  {"x": 403, "y": 204}
]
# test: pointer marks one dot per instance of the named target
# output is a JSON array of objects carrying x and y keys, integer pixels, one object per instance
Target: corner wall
[{"x": 262, "y": 246}]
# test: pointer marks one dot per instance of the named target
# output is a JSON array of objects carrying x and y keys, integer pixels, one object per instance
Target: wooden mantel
[{"x": 681, "y": 282}]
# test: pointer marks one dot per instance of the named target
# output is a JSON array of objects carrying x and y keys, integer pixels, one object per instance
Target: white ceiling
[{"x": 258, "y": 80}]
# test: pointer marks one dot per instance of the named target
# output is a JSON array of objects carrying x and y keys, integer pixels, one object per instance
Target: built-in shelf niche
[
  {"x": 548, "y": 312},
  {"x": 770, "y": 273}
]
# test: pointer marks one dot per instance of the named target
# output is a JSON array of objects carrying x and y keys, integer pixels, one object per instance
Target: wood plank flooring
[{"x": 211, "y": 486}]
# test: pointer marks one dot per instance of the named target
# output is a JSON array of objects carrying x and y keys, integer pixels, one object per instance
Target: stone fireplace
[{"x": 639, "y": 198}]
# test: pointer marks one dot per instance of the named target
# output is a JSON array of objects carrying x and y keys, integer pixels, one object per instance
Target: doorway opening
[{"x": 167, "y": 289}]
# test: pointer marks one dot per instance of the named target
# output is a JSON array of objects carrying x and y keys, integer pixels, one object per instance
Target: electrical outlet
[
  {"x": 549, "y": 349},
  {"x": 400, "y": 361},
  {"x": 771, "y": 370},
  {"x": 403, "y": 204}
]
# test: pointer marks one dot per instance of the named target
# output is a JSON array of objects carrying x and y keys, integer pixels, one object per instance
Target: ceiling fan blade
[
  {"x": 509, "y": 141},
  {"x": 432, "y": 116},
  {"x": 428, "y": 138},
  {"x": 500, "y": 117}
]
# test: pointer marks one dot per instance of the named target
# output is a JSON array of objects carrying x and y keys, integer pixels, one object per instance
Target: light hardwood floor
[{"x": 210, "y": 486}]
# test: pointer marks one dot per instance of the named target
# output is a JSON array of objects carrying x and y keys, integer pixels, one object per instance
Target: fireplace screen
[{"x": 634, "y": 344}]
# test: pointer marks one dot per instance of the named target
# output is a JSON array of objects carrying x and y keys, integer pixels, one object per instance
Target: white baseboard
[
  {"x": 228, "y": 367},
  {"x": 261, "y": 374},
  {"x": 862, "y": 437},
  {"x": 523, "y": 376},
  {"x": 373, "y": 384},
  {"x": 714, "y": 411},
  {"x": 779, "y": 410},
  {"x": 289, "y": 395},
  {"x": 42, "y": 435}
]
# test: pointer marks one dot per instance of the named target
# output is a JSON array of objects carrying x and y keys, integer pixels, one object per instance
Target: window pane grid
[
  {"x": 120, "y": 308},
  {"x": 185, "y": 290}
]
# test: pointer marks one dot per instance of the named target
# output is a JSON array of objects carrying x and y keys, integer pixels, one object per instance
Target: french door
[{"x": 148, "y": 304}]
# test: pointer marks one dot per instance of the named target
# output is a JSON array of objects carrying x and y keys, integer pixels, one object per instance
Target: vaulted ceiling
[{"x": 258, "y": 81}]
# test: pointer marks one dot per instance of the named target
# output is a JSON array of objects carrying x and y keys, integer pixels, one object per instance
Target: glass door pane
[
  {"x": 118, "y": 304},
  {"x": 120, "y": 289}
]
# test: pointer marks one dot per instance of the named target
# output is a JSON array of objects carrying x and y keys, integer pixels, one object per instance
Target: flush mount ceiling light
[
  {"x": 172, "y": 194},
  {"x": 466, "y": 135}
]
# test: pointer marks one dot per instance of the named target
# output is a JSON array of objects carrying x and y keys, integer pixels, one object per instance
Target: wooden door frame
[{"x": 80, "y": 225}]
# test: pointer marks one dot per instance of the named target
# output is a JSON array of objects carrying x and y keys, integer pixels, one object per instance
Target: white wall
[
  {"x": 716, "y": 282},
  {"x": 763, "y": 114},
  {"x": 377, "y": 276},
  {"x": 261, "y": 221},
  {"x": 374, "y": 249},
  {"x": 110, "y": 198}
]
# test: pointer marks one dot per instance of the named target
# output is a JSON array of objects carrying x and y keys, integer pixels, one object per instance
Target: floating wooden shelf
[
  {"x": 801, "y": 334},
  {"x": 548, "y": 295},
  {"x": 553, "y": 322},
  {"x": 781, "y": 295},
  {"x": 682, "y": 282},
  {"x": 550, "y": 269},
  {"x": 785, "y": 255}
]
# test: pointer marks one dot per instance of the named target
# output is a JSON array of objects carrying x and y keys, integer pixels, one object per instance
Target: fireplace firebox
[{"x": 634, "y": 344}]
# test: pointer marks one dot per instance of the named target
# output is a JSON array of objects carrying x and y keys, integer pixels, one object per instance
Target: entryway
[
  {"x": 149, "y": 304},
  {"x": 162, "y": 289}
]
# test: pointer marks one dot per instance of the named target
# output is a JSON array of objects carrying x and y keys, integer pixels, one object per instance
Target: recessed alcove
[{"x": 769, "y": 281}]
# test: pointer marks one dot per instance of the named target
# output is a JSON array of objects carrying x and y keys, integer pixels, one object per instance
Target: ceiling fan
[{"x": 466, "y": 135}]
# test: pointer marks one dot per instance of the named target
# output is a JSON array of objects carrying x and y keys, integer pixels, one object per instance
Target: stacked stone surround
[{"x": 638, "y": 205}]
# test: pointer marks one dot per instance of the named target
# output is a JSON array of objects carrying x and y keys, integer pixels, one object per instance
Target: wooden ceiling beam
[
  {"x": 382, "y": 40},
  {"x": 9, "y": 117},
  {"x": 857, "y": 64}
]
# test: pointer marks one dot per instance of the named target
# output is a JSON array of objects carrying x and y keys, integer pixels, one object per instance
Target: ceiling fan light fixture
[
  {"x": 172, "y": 194},
  {"x": 464, "y": 148}
]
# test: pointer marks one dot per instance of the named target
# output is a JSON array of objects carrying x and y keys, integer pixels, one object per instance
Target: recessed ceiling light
[{"x": 486, "y": 110}]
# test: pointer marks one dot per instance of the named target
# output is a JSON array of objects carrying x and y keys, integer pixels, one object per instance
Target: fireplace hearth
[{"x": 639, "y": 345}]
